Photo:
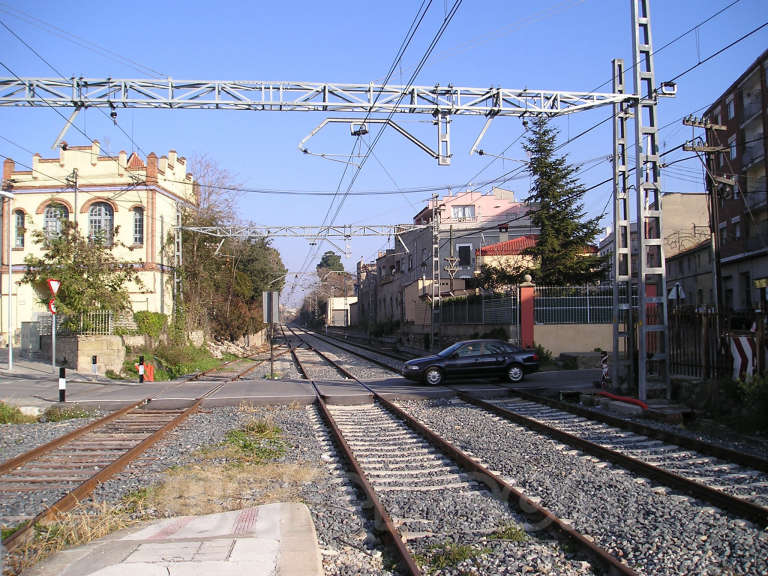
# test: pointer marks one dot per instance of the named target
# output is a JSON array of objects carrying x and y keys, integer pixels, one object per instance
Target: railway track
[
  {"x": 68, "y": 469},
  {"x": 394, "y": 457},
  {"x": 731, "y": 480}
]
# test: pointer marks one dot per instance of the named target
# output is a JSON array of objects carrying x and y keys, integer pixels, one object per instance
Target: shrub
[
  {"x": 754, "y": 407},
  {"x": 150, "y": 323},
  {"x": 12, "y": 415},
  {"x": 59, "y": 413}
]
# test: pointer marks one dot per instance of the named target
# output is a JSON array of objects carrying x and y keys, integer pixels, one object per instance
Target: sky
[{"x": 562, "y": 45}]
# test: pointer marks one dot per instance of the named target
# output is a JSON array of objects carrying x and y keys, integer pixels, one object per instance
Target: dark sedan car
[{"x": 472, "y": 359}]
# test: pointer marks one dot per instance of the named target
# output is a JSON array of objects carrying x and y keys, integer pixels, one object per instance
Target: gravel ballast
[{"x": 657, "y": 531}]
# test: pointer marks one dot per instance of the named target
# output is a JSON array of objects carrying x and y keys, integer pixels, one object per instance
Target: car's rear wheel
[
  {"x": 515, "y": 373},
  {"x": 433, "y": 376}
]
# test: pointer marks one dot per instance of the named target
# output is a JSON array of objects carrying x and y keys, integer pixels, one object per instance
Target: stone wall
[{"x": 76, "y": 352}]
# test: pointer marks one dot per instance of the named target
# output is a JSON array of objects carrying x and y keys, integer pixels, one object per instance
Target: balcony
[
  {"x": 753, "y": 152},
  {"x": 758, "y": 236},
  {"x": 750, "y": 109}
]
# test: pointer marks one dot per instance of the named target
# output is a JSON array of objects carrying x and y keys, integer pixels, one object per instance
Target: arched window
[
  {"x": 101, "y": 220},
  {"x": 18, "y": 216},
  {"x": 53, "y": 216},
  {"x": 138, "y": 225}
]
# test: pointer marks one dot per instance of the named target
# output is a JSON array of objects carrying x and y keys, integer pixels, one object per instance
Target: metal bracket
[
  {"x": 71, "y": 119},
  {"x": 356, "y": 128}
]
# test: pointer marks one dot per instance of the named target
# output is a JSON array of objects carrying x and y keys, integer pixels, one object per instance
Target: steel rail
[
  {"x": 22, "y": 459},
  {"x": 498, "y": 486},
  {"x": 383, "y": 521},
  {"x": 75, "y": 496},
  {"x": 707, "y": 448},
  {"x": 749, "y": 460},
  {"x": 754, "y": 512},
  {"x": 733, "y": 504}
]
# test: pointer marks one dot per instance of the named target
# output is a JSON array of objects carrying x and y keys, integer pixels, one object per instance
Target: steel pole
[{"x": 10, "y": 288}]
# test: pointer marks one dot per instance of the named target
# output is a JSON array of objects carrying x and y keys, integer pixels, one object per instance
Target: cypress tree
[{"x": 565, "y": 234}]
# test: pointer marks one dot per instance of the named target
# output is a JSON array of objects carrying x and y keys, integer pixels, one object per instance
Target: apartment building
[
  {"x": 742, "y": 222},
  {"x": 119, "y": 198}
]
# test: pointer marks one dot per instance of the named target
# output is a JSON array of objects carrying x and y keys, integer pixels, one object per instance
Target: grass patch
[
  {"x": 12, "y": 415},
  {"x": 83, "y": 524},
  {"x": 258, "y": 441},
  {"x": 61, "y": 413},
  {"x": 112, "y": 375},
  {"x": 448, "y": 555},
  {"x": 511, "y": 533}
]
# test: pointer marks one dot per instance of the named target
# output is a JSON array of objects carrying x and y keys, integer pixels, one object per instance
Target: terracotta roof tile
[{"x": 510, "y": 247}]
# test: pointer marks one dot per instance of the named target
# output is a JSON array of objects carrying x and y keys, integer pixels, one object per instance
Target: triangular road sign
[{"x": 53, "y": 285}]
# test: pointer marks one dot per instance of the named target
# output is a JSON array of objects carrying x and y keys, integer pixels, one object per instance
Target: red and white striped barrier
[{"x": 744, "y": 356}]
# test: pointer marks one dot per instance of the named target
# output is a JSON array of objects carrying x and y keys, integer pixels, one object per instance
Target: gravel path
[{"x": 656, "y": 530}]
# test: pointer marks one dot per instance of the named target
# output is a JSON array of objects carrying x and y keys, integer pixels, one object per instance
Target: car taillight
[{"x": 535, "y": 358}]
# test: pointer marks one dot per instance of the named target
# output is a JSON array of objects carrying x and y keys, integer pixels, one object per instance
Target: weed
[
  {"x": 60, "y": 413},
  {"x": 81, "y": 525},
  {"x": 7, "y": 532},
  {"x": 510, "y": 532},
  {"x": 12, "y": 415},
  {"x": 449, "y": 555},
  {"x": 111, "y": 374},
  {"x": 259, "y": 441}
]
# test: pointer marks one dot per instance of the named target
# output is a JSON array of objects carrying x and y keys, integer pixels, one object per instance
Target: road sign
[
  {"x": 53, "y": 286},
  {"x": 52, "y": 305},
  {"x": 270, "y": 307}
]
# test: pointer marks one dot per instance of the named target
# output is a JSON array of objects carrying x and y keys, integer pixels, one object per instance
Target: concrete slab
[
  {"x": 265, "y": 540},
  {"x": 343, "y": 392},
  {"x": 403, "y": 389}
]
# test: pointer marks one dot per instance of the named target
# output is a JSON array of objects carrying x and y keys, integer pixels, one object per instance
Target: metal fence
[
  {"x": 94, "y": 323},
  {"x": 489, "y": 309},
  {"x": 573, "y": 304},
  {"x": 695, "y": 347}
]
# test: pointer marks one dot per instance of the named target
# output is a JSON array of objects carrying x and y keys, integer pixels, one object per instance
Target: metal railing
[
  {"x": 94, "y": 323},
  {"x": 489, "y": 309},
  {"x": 573, "y": 304}
]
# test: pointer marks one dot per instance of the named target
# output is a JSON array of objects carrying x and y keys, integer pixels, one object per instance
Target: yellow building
[{"x": 122, "y": 198}]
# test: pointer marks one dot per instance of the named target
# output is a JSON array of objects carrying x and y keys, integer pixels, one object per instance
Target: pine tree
[{"x": 565, "y": 236}]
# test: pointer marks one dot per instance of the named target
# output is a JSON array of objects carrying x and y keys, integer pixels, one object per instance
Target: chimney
[
  {"x": 122, "y": 162},
  {"x": 8, "y": 167},
  {"x": 171, "y": 159},
  {"x": 95, "y": 147},
  {"x": 152, "y": 168}
]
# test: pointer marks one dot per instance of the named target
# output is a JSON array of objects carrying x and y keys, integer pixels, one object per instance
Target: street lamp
[{"x": 8, "y": 196}]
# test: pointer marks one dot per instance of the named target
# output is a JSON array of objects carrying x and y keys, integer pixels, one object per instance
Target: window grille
[{"x": 101, "y": 223}]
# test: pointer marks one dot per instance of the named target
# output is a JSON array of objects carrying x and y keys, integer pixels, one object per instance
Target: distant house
[{"x": 116, "y": 198}]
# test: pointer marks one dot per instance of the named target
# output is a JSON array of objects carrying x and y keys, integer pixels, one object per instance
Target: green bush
[
  {"x": 544, "y": 354},
  {"x": 150, "y": 323},
  {"x": 754, "y": 403},
  {"x": 60, "y": 413},
  {"x": 12, "y": 415}
]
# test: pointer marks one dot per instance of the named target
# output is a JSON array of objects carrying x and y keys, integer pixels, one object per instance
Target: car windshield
[{"x": 450, "y": 350}]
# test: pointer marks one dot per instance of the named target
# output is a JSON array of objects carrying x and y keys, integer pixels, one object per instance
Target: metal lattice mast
[
  {"x": 653, "y": 345},
  {"x": 623, "y": 327},
  {"x": 435, "y": 338}
]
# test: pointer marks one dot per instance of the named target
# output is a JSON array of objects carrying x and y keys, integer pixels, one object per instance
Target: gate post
[{"x": 526, "y": 312}]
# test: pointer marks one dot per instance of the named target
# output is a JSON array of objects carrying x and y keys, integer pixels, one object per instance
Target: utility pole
[
  {"x": 435, "y": 338},
  {"x": 622, "y": 365},
  {"x": 653, "y": 336},
  {"x": 452, "y": 260},
  {"x": 72, "y": 183},
  {"x": 714, "y": 198}
]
